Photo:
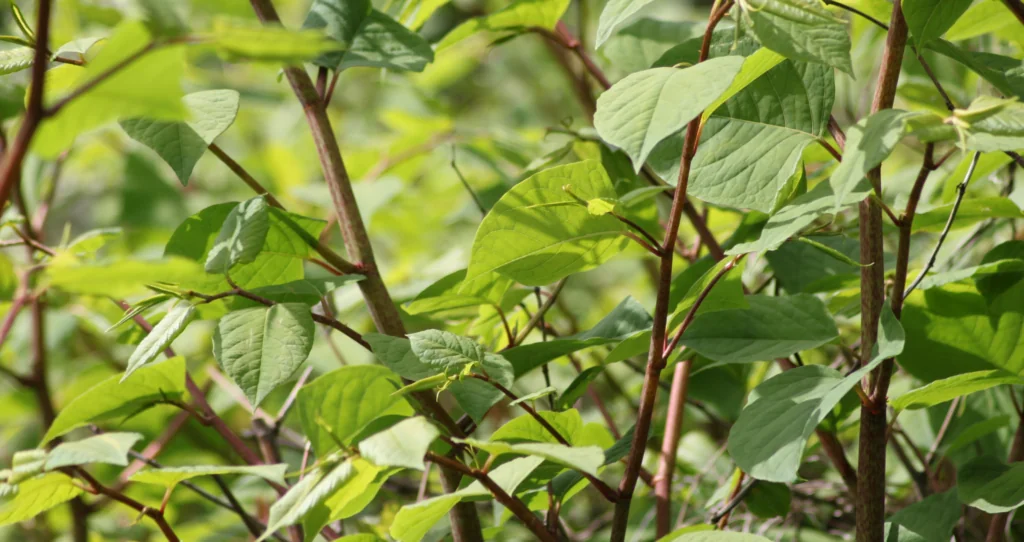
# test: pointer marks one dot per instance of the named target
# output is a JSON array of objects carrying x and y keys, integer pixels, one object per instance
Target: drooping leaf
[
  {"x": 110, "y": 448},
  {"x": 988, "y": 484},
  {"x": 519, "y": 15},
  {"x": 150, "y": 385},
  {"x": 262, "y": 347},
  {"x": 149, "y": 88},
  {"x": 241, "y": 237},
  {"x": 401, "y": 445},
  {"x": 307, "y": 494},
  {"x": 772, "y": 327},
  {"x": 181, "y": 144},
  {"x": 366, "y": 37},
  {"x": 947, "y": 389},
  {"x": 929, "y": 19},
  {"x": 769, "y": 437},
  {"x": 544, "y": 234},
  {"x": 162, "y": 335},
  {"x": 868, "y": 142},
  {"x": 341, "y": 403},
  {"x": 169, "y": 477},
  {"x": 38, "y": 495},
  {"x": 932, "y": 518},
  {"x": 615, "y": 12},
  {"x": 16, "y": 59},
  {"x": 626, "y": 320},
  {"x": 646, "y": 107},
  {"x": 800, "y": 30}
]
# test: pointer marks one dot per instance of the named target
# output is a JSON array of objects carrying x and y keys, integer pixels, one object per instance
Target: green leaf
[
  {"x": 640, "y": 43},
  {"x": 150, "y": 88},
  {"x": 613, "y": 14},
  {"x": 932, "y": 518},
  {"x": 772, "y": 327},
  {"x": 306, "y": 291},
  {"x": 710, "y": 536},
  {"x": 241, "y": 237},
  {"x": 396, "y": 354},
  {"x": 543, "y": 233},
  {"x": 349, "y": 498},
  {"x": 347, "y": 400},
  {"x": 1001, "y": 130},
  {"x": 307, "y": 494},
  {"x": 646, "y": 107},
  {"x": 150, "y": 385},
  {"x": 15, "y": 60},
  {"x": 181, "y": 144},
  {"x": 239, "y": 40},
  {"x": 414, "y": 520},
  {"x": 996, "y": 69},
  {"x": 169, "y": 477},
  {"x": 416, "y": 12},
  {"x": 800, "y": 30},
  {"x": 401, "y": 445},
  {"x": 38, "y": 495},
  {"x": 769, "y": 500},
  {"x": 988, "y": 484},
  {"x": 868, "y": 142},
  {"x": 445, "y": 351},
  {"x": 475, "y": 396},
  {"x": 983, "y": 17},
  {"x": 161, "y": 337},
  {"x": 519, "y": 15},
  {"x": 752, "y": 145},
  {"x": 119, "y": 280},
  {"x": 585, "y": 459},
  {"x": 110, "y": 448},
  {"x": 627, "y": 319},
  {"x": 929, "y": 19},
  {"x": 366, "y": 37},
  {"x": 799, "y": 214},
  {"x": 970, "y": 212},
  {"x": 452, "y": 292},
  {"x": 262, "y": 347},
  {"x": 947, "y": 389},
  {"x": 769, "y": 437},
  {"x": 569, "y": 424},
  {"x": 754, "y": 66},
  {"x": 578, "y": 387}
]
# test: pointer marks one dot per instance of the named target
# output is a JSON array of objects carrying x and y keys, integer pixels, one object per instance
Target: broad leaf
[
  {"x": 349, "y": 498},
  {"x": 585, "y": 459},
  {"x": 110, "y": 448},
  {"x": 929, "y": 19},
  {"x": 181, "y": 144},
  {"x": 366, "y": 37},
  {"x": 169, "y": 477},
  {"x": 543, "y": 233},
  {"x": 988, "y": 484},
  {"x": 613, "y": 14},
  {"x": 401, "y": 445},
  {"x": 445, "y": 351},
  {"x": 161, "y": 337},
  {"x": 639, "y": 44},
  {"x": 519, "y": 15},
  {"x": 119, "y": 280},
  {"x": 769, "y": 437},
  {"x": 396, "y": 354},
  {"x": 341, "y": 403},
  {"x": 239, "y": 40},
  {"x": 800, "y": 30},
  {"x": 772, "y": 327},
  {"x": 867, "y": 143},
  {"x": 578, "y": 387},
  {"x": 932, "y": 518},
  {"x": 308, "y": 493},
  {"x": 476, "y": 397},
  {"x": 262, "y": 347},
  {"x": 150, "y": 385},
  {"x": 241, "y": 237},
  {"x": 38, "y": 495},
  {"x": 646, "y": 107},
  {"x": 947, "y": 389}
]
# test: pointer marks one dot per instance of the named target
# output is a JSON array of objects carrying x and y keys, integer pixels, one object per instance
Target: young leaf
[
  {"x": 585, "y": 459},
  {"x": 162, "y": 335},
  {"x": 646, "y": 107},
  {"x": 169, "y": 477},
  {"x": 241, "y": 237},
  {"x": 181, "y": 144},
  {"x": 239, "y": 40},
  {"x": 445, "y": 351},
  {"x": 520, "y": 14},
  {"x": 15, "y": 60},
  {"x": 110, "y": 448},
  {"x": 260, "y": 348},
  {"x": 613, "y": 14},
  {"x": 800, "y": 30},
  {"x": 366, "y": 37},
  {"x": 543, "y": 233},
  {"x": 769, "y": 437},
  {"x": 868, "y": 143},
  {"x": 947, "y": 389},
  {"x": 401, "y": 445},
  {"x": 38, "y": 495},
  {"x": 1000, "y": 130},
  {"x": 307, "y": 494},
  {"x": 929, "y": 19},
  {"x": 772, "y": 327},
  {"x": 988, "y": 484},
  {"x": 475, "y": 396},
  {"x": 341, "y": 403},
  {"x": 150, "y": 385}
]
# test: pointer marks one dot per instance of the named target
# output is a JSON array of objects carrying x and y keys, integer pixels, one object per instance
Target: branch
[
  {"x": 98, "y": 488},
  {"x": 541, "y": 311},
  {"x": 699, "y": 301}
]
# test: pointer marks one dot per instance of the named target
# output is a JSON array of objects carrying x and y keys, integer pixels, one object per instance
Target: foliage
[{"x": 704, "y": 271}]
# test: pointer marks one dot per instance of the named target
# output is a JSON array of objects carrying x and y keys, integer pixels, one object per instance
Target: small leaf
[
  {"x": 520, "y": 14},
  {"x": 15, "y": 60},
  {"x": 38, "y": 495},
  {"x": 402, "y": 445},
  {"x": 242, "y": 236},
  {"x": 110, "y": 448},
  {"x": 152, "y": 384},
  {"x": 169, "y": 477},
  {"x": 602, "y": 206},
  {"x": 947, "y": 389},
  {"x": 800, "y": 30},
  {"x": 644, "y": 108},
  {"x": 261, "y": 348},
  {"x": 161, "y": 337},
  {"x": 988, "y": 484},
  {"x": 613, "y": 14},
  {"x": 445, "y": 351}
]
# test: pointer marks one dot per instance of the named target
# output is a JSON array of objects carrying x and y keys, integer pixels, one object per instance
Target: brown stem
[
  {"x": 541, "y": 311},
  {"x": 692, "y": 313},
  {"x": 873, "y": 428},
  {"x": 1017, "y": 8},
  {"x": 656, "y": 360},
  {"x": 153, "y": 513},
  {"x": 670, "y": 447}
]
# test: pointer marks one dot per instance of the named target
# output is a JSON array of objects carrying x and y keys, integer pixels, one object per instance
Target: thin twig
[
  {"x": 537, "y": 316},
  {"x": 97, "y": 488}
]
